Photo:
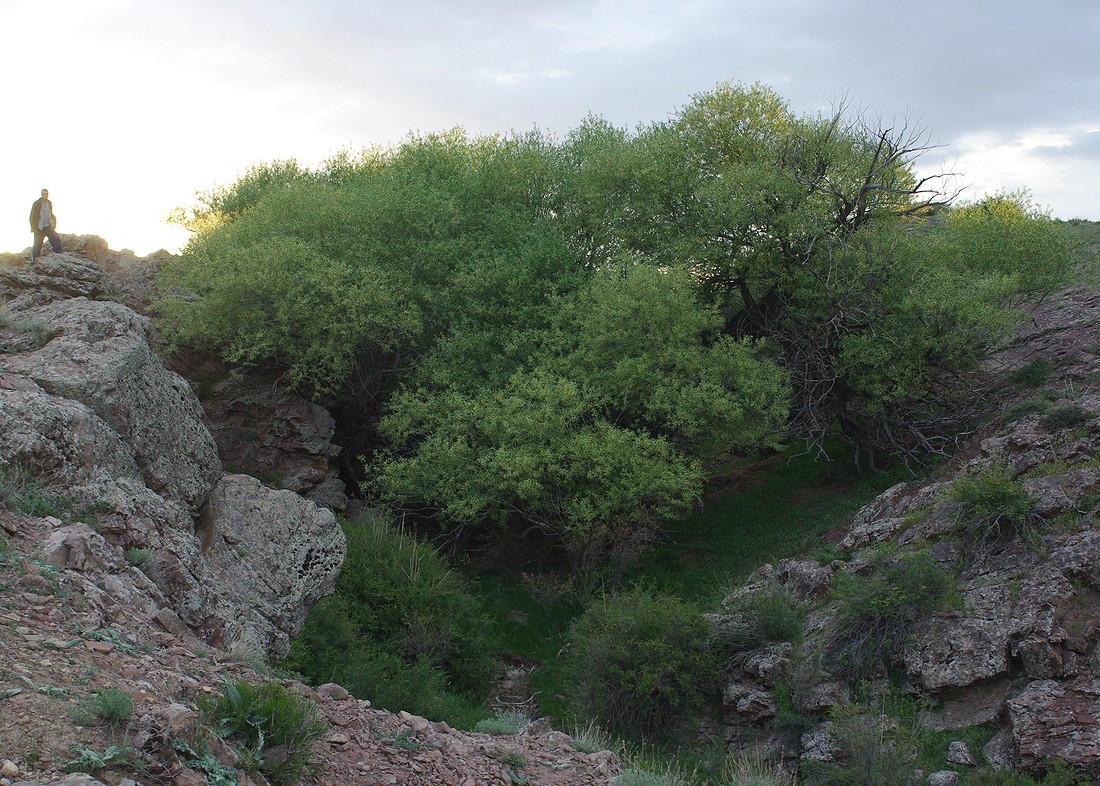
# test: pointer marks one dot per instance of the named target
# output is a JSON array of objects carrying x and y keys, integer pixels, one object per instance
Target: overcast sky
[{"x": 125, "y": 109}]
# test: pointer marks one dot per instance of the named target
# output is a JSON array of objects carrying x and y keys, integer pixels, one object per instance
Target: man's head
[{"x": 45, "y": 193}]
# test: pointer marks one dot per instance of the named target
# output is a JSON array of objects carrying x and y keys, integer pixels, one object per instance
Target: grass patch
[{"x": 275, "y": 728}]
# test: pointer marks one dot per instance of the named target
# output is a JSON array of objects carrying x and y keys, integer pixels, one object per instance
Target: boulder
[
  {"x": 66, "y": 275},
  {"x": 1007, "y": 613},
  {"x": 1055, "y": 719},
  {"x": 101, "y": 357},
  {"x": 61, "y": 442},
  {"x": 272, "y": 553}
]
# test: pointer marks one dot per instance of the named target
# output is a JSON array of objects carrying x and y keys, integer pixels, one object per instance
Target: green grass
[
  {"x": 763, "y": 511},
  {"x": 781, "y": 507}
]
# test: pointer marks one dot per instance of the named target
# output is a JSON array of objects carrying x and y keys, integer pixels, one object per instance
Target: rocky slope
[
  {"x": 130, "y": 561},
  {"x": 1015, "y": 654}
]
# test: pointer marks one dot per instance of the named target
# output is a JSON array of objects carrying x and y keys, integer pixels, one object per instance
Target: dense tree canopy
[{"x": 562, "y": 333}]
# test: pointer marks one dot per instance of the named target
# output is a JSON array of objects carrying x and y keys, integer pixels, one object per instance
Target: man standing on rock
[{"x": 43, "y": 222}]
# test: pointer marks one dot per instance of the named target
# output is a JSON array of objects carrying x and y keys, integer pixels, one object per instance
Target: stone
[
  {"x": 959, "y": 753},
  {"x": 101, "y": 358},
  {"x": 819, "y": 744},
  {"x": 943, "y": 778},
  {"x": 1054, "y": 719}
]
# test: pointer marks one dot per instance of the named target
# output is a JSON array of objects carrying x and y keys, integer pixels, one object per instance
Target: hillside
[
  {"x": 950, "y": 633},
  {"x": 139, "y": 579}
]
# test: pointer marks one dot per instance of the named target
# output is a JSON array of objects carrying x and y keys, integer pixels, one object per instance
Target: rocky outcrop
[
  {"x": 265, "y": 429},
  {"x": 99, "y": 355},
  {"x": 88, "y": 410}
]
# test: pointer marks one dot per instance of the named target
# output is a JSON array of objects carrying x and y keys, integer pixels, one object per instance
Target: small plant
[
  {"x": 139, "y": 557},
  {"x": 1033, "y": 374},
  {"x": 202, "y": 760},
  {"x": 513, "y": 759},
  {"x": 504, "y": 722},
  {"x": 637, "y": 777},
  {"x": 1023, "y": 409},
  {"x": 590, "y": 738},
  {"x": 992, "y": 506},
  {"x": 1065, "y": 416},
  {"x": 110, "y": 707},
  {"x": 266, "y": 718},
  {"x": 878, "y": 613},
  {"x": 87, "y": 760},
  {"x": 876, "y": 753},
  {"x": 761, "y": 618}
]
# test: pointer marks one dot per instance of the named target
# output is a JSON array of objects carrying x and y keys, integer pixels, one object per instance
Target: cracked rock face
[
  {"x": 100, "y": 356},
  {"x": 89, "y": 410}
]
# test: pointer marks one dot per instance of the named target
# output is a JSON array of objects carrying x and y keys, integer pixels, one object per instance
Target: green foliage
[
  {"x": 1058, "y": 774},
  {"x": 139, "y": 557},
  {"x": 639, "y": 662},
  {"x": 87, "y": 760},
  {"x": 263, "y": 719},
  {"x": 874, "y": 754},
  {"x": 401, "y": 629},
  {"x": 564, "y": 333},
  {"x": 992, "y": 506},
  {"x": 109, "y": 707},
  {"x": 1065, "y": 416},
  {"x": 759, "y": 618},
  {"x": 204, "y": 761},
  {"x": 503, "y": 722},
  {"x": 877, "y": 613},
  {"x": 1032, "y": 374}
]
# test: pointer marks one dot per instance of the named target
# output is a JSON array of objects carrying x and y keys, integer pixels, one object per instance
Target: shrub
[
  {"x": 761, "y": 618},
  {"x": 877, "y": 614},
  {"x": 992, "y": 506},
  {"x": 875, "y": 754},
  {"x": 110, "y": 707},
  {"x": 1033, "y": 374},
  {"x": 401, "y": 626},
  {"x": 1065, "y": 416},
  {"x": 640, "y": 661},
  {"x": 504, "y": 722},
  {"x": 264, "y": 718}
]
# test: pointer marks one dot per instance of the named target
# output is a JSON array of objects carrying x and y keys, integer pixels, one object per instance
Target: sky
[{"x": 126, "y": 109}]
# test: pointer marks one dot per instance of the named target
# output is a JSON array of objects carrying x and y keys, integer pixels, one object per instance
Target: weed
[
  {"x": 202, "y": 760},
  {"x": 760, "y": 618},
  {"x": 1024, "y": 409},
  {"x": 513, "y": 759},
  {"x": 1031, "y": 375},
  {"x": 590, "y": 738},
  {"x": 638, "y": 777},
  {"x": 1065, "y": 416},
  {"x": 86, "y": 759},
  {"x": 991, "y": 506},
  {"x": 265, "y": 718},
  {"x": 110, "y": 707},
  {"x": 877, "y": 614},
  {"x": 504, "y": 722},
  {"x": 139, "y": 557}
]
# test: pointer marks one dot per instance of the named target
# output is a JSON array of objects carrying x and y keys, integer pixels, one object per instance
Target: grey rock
[
  {"x": 1055, "y": 719},
  {"x": 101, "y": 357},
  {"x": 959, "y": 753},
  {"x": 273, "y": 553},
  {"x": 943, "y": 778},
  {"x": 62, "y": 442}
]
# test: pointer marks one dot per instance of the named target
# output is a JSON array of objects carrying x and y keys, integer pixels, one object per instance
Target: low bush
[
  {"x": 1065, "y": 416},
  {"x": 992, "y": 506},
  {"x": 265, "y": 719},
  {"x": 504, "y": 722},
  {"x": 1033, "y": 374},
  {"x": 401, "y": 629},
  {"x": 110, "y": 707},
  {"x": 761, "y": 618},
  {"x": 877, "y": 613},
  {"x": 640, "y": 661},
  {"x": 876, "y": 753}
]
